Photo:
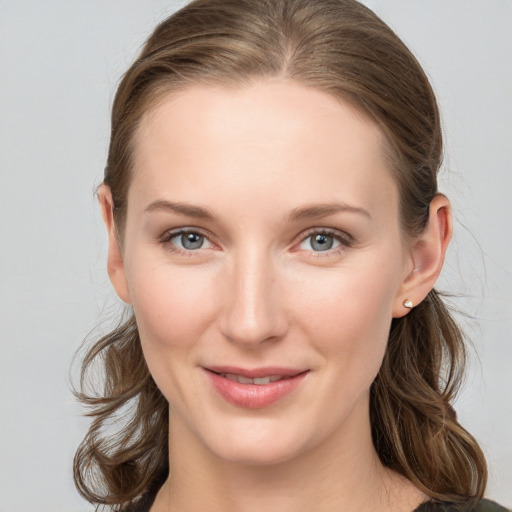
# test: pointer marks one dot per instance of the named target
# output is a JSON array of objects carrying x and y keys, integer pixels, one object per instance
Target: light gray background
[{"x": 60, "y": 61}]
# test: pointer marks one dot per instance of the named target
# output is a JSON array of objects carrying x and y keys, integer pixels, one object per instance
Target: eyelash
[
  {"x": 165, "y": 240},
  {"x": 345, "y": 240}
]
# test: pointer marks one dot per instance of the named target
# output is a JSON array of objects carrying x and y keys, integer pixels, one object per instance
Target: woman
[{"x": 274, "y": 220}]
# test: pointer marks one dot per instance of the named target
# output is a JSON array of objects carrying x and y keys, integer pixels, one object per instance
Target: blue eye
[
  {"x": 186, "y": 241},
  {"x": 323, "y": 241},
  {"x": 191, "y": 241}
]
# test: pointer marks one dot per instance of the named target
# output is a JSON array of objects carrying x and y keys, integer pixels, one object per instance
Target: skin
[{"x": 259, "y": 292}]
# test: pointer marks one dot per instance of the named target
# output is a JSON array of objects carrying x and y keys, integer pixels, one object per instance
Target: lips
[{"x": 254, "y": 388}]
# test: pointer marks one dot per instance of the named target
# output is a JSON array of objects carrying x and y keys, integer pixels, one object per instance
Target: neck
[{"x": 342, "y": 473}]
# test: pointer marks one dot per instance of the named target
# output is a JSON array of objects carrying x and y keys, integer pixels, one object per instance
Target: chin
[
  {"x": 254, "y": 444},
  {"x": 257, "y": 454}
]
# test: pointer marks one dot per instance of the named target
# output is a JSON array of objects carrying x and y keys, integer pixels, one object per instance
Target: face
[{"x": 264, "y": 260}]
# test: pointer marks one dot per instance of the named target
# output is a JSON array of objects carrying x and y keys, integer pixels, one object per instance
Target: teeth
[
  {"x": 262, "y": 380},
  {"x": 258, "y": 380},
  {"x": 242, "y": 380}
]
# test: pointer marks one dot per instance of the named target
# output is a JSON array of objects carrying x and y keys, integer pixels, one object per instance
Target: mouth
[
  {"x": 255, "y": 388},
  {"x": 259, "y": 381}
]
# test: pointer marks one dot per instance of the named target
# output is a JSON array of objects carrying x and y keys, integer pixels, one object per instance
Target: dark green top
[
  {"x": 480, "y": 506},
  {"x": 430, "y": 506}
]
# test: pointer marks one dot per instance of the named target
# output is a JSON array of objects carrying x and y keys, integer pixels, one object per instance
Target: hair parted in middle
[{"x": 342, "y": 48}]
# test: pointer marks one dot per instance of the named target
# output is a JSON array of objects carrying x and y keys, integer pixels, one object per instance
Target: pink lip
[{"x": 254, "y": 396}]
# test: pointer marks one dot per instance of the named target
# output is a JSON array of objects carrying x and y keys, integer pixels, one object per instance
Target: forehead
[{"x": 270, "y": 138}]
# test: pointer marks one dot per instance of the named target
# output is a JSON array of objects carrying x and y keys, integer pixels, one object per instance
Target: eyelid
[
  {"x": 344, "y": 238},
  {"x": 166, "y": 238},
  {"x": 329, "y": 231}
]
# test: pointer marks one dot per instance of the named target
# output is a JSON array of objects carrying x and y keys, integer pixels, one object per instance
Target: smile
[
  {"x": 254, "y": 389},
  {"x": 258, "y": 380}
]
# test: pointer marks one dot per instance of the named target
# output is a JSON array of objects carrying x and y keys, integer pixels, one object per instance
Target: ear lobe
[
  {"x": 115, "y": 262},
  {"x": 428, "y": 251}
]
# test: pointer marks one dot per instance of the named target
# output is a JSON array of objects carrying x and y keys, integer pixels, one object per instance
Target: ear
[
  {"x": 427, "y": 253},
  {"x": 115, "y": 262}
]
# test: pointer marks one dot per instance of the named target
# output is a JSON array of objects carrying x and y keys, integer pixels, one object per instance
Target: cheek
[
  {"x": 174, "y": 308},
  {"x": 173, "y": 305},
  {"x": 348, "y": 313}
]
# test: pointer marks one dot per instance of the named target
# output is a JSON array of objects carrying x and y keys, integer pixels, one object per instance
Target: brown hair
[{"x": 344, "y": 49}]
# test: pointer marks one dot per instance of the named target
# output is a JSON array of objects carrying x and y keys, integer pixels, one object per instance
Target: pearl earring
[{"x": 407, "y": 304}]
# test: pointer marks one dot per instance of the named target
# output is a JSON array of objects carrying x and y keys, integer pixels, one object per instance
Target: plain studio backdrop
[{"x": 60, "y": 62}]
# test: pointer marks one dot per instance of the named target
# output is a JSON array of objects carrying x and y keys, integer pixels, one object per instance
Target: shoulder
[{"x": 479, "y": 506}]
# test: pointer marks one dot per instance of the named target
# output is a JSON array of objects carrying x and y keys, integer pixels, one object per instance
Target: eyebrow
[
  {"x": 315, "y": 211},
  {"x": 181, "y": 208}
]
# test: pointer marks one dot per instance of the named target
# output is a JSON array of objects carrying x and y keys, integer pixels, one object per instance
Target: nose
[{"x": 254, "y": 311}]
